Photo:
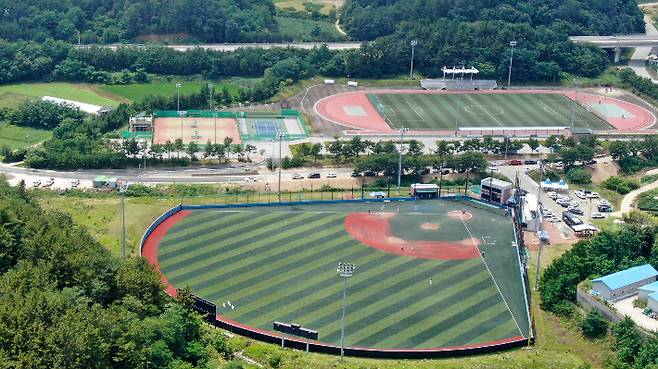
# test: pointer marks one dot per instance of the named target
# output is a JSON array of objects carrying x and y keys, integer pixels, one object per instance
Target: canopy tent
[{"x": 548, "y": 185}]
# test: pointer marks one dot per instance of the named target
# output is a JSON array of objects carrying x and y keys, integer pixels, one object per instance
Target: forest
[
  {"x": 477, "y": 33},
  {"x": 66, "y": 302},
  {"x": 111, "y": 21}
]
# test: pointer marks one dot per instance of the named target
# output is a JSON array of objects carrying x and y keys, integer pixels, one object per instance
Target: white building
[
  {"x": 531, "y": 216},
  {"x": 649, "y": 294},
  {"x": 84, "y": 107},
  {"x": 624, "y": 283},
  {"x": 424, "y": 191},
  {"x": 495, "y": 190}
]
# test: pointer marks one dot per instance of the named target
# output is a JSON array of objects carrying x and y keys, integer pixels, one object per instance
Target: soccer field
[
  {"x": 442, "y": 111},
  {"x": 420, "y": 280}
]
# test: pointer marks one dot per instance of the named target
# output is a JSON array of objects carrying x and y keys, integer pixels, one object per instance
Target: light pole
[
  {"x": 506, "y": 146},
  {"x": 403, "y": 130},
  {"x": 210, "y": 87},
  {"x": 122, "y": 191},
  {"x": 511, "y": 58},
  {"x": 280, "y": 137},
  {"x": 344, "y": 270},
  {"x": 541, "y": 224},
  {"x": 573, "y": 107},
  {"x": 178, "y": 86},
  {"x": 411, "y": 70}
]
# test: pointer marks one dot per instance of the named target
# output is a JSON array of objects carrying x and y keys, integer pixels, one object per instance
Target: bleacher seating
[{"x": 458, "y": 85}]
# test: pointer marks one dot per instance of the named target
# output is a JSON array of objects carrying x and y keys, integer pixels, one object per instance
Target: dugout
[{"x": 424, "y": 191}]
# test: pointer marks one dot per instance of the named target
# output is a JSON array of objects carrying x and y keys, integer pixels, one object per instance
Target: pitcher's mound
[{"x": 429, "y": 226}]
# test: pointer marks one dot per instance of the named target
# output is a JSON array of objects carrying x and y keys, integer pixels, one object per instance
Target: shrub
[
  {"x": 620, "y": 185},
  {"x": 140, "y": 190},
  {"x": 579, "y": 176},
  {"x": 594, "y": 325}
]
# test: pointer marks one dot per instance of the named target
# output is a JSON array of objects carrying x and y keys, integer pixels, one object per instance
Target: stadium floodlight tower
[
  {"x": 413, "y": 44},
  {"x": 344, "y": 270},
  {"x": 512, "y": 44},
  {"x": 280, "y": 136},
  {"x": 178, "y": 86},
  {"x": 403, "y": 131}
]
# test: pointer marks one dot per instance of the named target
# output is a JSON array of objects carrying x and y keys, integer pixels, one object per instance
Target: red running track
[{"x": 332, "y": 109}]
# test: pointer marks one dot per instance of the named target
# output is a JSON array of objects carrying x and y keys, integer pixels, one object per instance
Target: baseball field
[
  {"x": 428, "y": 274},
  {"x": 509, "y": 110}
]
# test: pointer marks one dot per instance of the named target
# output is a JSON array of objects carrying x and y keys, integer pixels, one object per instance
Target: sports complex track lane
[
  {"x": 278, "y": 263},
  {"x": 416, "y": 109}
]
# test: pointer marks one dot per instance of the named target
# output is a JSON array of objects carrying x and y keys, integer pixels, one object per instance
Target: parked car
[
  {"x": 36, "y": 183},
  {"x": 49, "y": 182},
  {"x": 297, "y": 176},
  {"x": 597, "y": 215},
  {"x": 580, "y": 194},
  {"x": 251, "y": 179},
  {"x": 530, "y": 162},
  {"x": 552, "y": 195},
  {"x": 331, "y": 175},
  {"x": 592, "y": 195},
  {"x": 515, "y": 162},
  {"x": 314, "y": 176},
  {"x": 575, "y": 210},
  {"x": 493, "y": 169},
  {"x": 75, "y": 183}
]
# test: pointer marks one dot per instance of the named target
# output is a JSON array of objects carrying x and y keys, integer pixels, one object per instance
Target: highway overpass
[{"x": 617, "y": 42}]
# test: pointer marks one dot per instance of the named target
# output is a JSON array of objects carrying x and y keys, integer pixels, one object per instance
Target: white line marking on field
[
  {"x": 491, "y": 274},
  {"x": 484, "y": 110}
]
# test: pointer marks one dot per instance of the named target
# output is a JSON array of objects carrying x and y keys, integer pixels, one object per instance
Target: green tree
[
  {"x": 533, "y": 143},
  {"x": 178, "y": 146},
  {"x": 594, "y": 325},
  {"x": 192, "y": 149},
  {"x": 316, "y": 150}
]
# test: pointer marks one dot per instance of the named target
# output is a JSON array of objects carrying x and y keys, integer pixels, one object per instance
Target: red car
[{"x": 515, "y": 162}]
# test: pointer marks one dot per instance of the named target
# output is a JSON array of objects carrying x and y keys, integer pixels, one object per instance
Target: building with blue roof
[
  {"x": 649, "y": 294},
  {"x": 624, "y": 283}
]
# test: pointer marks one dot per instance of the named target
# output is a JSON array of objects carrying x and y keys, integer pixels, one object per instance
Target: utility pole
[
  {"x": 402, "y": 132},
  {"x": 178, "y": 86},
  {"x": 541, "y": 224},
  {"x": 511, "y": 59},
  {"x": 344, "y": 270},
  {"x": 411, "y": 70},
  {"x": 280, "y": 137},
  {"x": 212, "y": 101},
  {"x": 122, "y": 191}
]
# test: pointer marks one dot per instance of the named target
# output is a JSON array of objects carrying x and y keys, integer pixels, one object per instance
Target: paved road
[
  {"x": 629, "y": 199},
  {"x": 641, "y": 54},
  {"x": 233, "y": 47}
]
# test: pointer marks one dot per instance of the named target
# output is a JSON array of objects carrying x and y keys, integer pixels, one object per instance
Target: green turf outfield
[
  {"x": 509, "y": 110},
  {"x": 279, "y": 264}
]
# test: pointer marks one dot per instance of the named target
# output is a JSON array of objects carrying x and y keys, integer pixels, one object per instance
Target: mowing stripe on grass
[
  {"x": 487, "y": 317},
  {"x": 225, "y": 255},
  {"x": 363, "y": 300},
  {"x": 330, "y": 286},
  {"x": 483, "y": 298},
  {"x": 282, "y": 282},
  {"x": 204, "y": 246},
  {"x": 280, "y": 260},
  {"x": 493, "y": 328},
  {"x": 213, "y": 234},
  {"x": 363, "y": 331},
  {"x": 196, "y": 224}
]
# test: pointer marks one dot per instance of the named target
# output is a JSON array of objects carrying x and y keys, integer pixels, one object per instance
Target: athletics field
[
  {"x": 429, "y": 274},
  {"x": 496, "y": 112}
]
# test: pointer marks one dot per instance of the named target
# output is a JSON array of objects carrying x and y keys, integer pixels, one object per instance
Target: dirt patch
[
  {"x": 375, "y": 231},
  {"x": 463, "y": 214},
  {"x": 430, "y": 226}
]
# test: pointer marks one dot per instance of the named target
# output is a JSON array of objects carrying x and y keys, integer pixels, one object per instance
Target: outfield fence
[{"x": 223, "y": 322}]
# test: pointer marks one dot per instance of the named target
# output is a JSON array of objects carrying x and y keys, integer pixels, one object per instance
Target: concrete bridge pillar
[{"x": 617, "y": 54}]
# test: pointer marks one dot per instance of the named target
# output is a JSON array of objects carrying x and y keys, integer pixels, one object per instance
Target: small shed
[
  {"x": 495, "y": 190},
  {"x": 424, "y": 191},
  {"x": 624, "y": 283},
  {"x": 101, "y": 181}
]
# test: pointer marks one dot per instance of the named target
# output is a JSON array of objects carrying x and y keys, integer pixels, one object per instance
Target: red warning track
[
  {"x": 369, "y": 121},
  {"x": 374, "y": 230},
  {"x": 152, "y": 242}
]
